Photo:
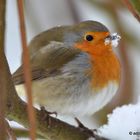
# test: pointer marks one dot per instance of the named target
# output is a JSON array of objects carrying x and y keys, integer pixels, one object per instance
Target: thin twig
[
  {"x": 27, "y": 73},
  {"x": 3, "y": 82},
  {"x": 136, "y": 5},
  {"x": 10, "y": 132},
  {"x": 132, "y": 10},
  {"x": 74, "y": 11}
]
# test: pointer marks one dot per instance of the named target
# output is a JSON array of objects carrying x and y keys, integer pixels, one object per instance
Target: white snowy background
[{"x": 43, "y": 14}]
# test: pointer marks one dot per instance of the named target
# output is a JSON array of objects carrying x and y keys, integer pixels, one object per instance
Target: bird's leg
[
  {"x": 45, "y": 115},
  {"x": 79, "y": 123},
  {"x": 83, "y": 128},
  {"x": 42, "y": 108}
]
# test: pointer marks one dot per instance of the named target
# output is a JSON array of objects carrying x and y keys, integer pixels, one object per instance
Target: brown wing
[{"x": 47, "y": 61}]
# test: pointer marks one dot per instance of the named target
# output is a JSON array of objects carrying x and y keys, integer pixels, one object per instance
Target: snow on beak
[{"x": 112, "y": 39}]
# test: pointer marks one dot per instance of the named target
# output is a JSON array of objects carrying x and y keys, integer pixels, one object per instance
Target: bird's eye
[{"x": 89, "y": 37}]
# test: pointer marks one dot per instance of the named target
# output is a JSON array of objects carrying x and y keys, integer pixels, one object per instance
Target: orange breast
[
  {"x": 106, "y": 68},
  {"x": 105, "y": 64}
]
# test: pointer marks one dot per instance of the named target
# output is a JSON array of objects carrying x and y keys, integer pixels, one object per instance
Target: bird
[{"x": 74, "y": 68}]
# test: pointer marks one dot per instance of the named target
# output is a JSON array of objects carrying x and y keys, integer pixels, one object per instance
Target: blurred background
[{"x": 44, "y": 14}]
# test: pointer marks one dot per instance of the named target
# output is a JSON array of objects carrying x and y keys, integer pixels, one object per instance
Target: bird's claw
[
  {"x": 91, "y": 132},
  {"x": 46, "y": 115},
  {"x": 85, "y": 129},
  {"x": 43, "y": 110}
]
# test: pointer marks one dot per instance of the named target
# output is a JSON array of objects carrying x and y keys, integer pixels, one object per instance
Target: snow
[
  {"x": 123, "y": 123},
  {"x": 113, "y": 39}
]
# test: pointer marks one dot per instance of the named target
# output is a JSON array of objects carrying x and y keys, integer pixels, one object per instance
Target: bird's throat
[{"x": 106, "y": 68}]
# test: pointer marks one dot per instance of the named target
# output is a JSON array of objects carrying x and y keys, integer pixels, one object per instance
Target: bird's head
[{"x": 91, "y": 37}]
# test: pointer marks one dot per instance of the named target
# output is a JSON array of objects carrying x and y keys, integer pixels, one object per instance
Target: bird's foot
[
  {"x": 46, "y": 115},
  {"x": 91, "y": 132},
  {"x": 43, "y": 110}
]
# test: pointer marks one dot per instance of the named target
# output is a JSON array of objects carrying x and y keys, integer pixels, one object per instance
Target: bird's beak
[{"x": 112, "y": 39}]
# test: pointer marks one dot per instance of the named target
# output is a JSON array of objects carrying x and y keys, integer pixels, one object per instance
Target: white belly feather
[{"x": 87, "y": 102}]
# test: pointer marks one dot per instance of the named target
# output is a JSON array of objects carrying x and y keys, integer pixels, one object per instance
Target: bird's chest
[
  {"x": 100, "y": 83},
  {"x": 104, "y": 69},
  {"x": 96, "y": 82}
]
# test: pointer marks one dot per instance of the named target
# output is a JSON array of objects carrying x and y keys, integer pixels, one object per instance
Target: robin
[{"x": 74, "y": 69}]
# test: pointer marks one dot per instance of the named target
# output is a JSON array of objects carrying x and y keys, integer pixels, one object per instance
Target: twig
[
  {"x": 3, "y": 82},
  {"x": 74, "y": 11},
  {"x": 10, "y": 132},
  {"x": 132, "y": 10},
  {"x": 27, "y": 73},
  {"x": 58, "y": 130},
  {"x": 136, "y": 5}
]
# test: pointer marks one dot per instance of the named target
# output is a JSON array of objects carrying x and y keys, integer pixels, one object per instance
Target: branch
[
  {"x": 3, "y": 82},
  {"x": 26, "y": 71},
  {"x": 74, "y": 11},
  {"x": 10, "y": 131},
  {"x": 134, "y": 7},
  {"x": 58, "y": 129}
]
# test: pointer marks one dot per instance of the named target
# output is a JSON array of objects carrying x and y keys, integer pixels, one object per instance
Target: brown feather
[{"x": 47, "y": 62}]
